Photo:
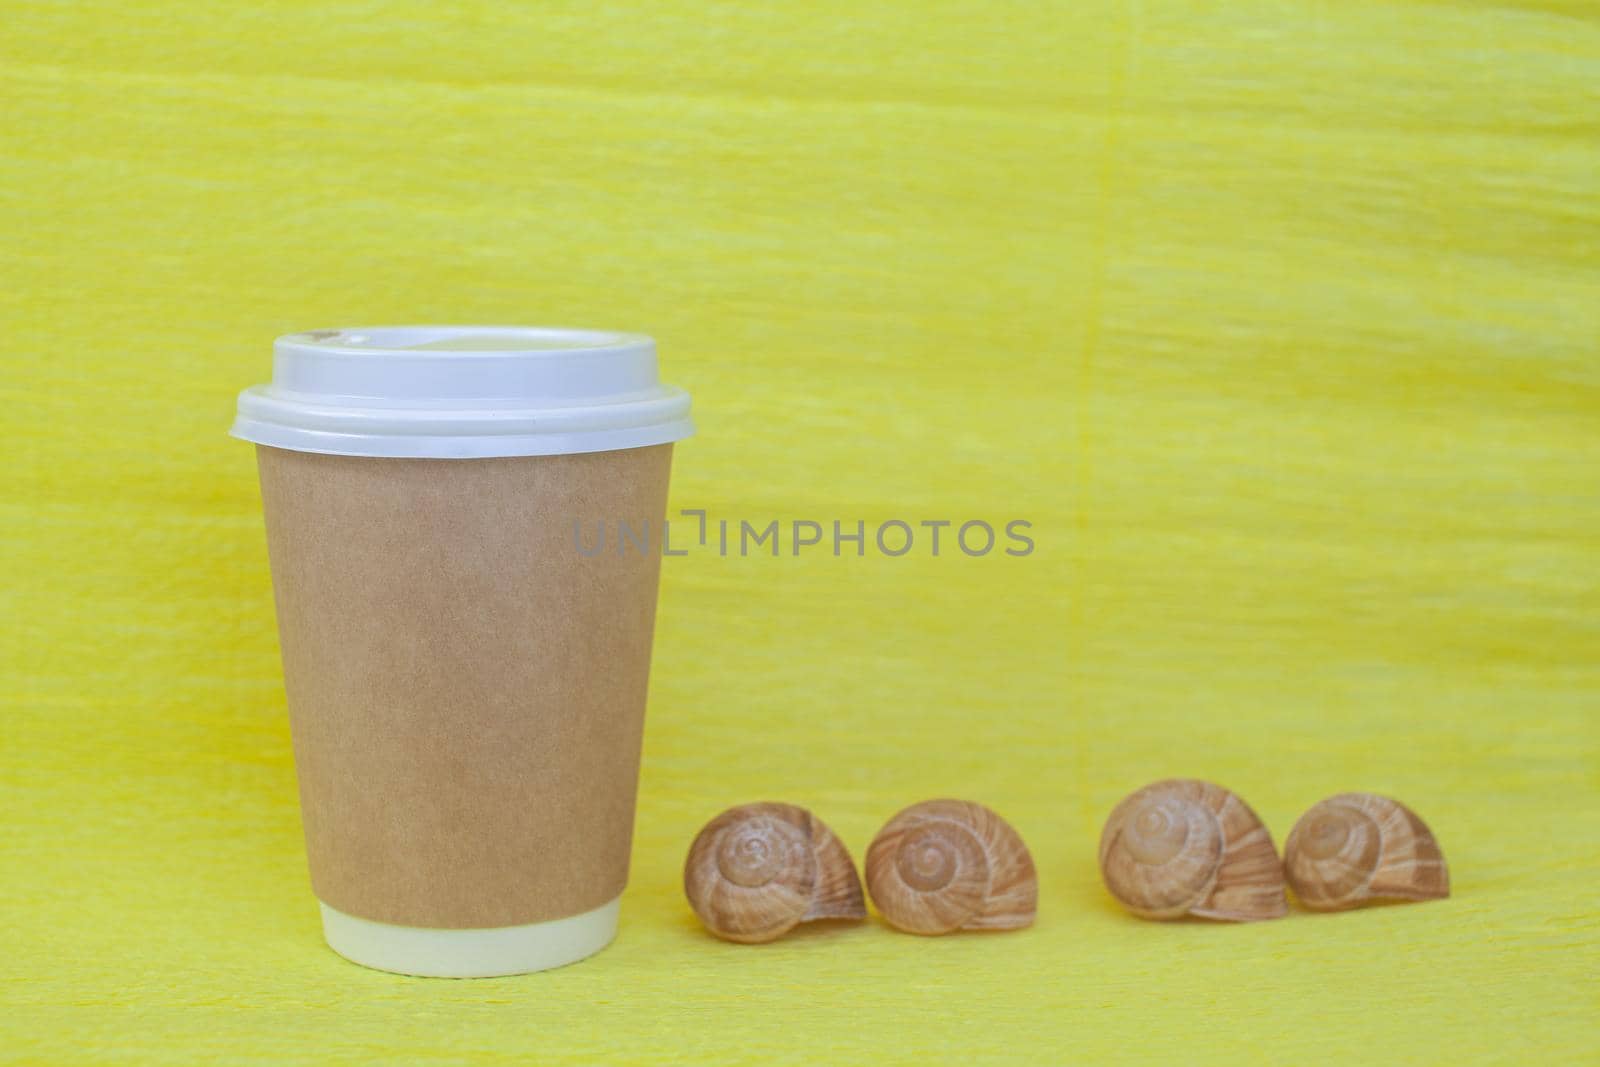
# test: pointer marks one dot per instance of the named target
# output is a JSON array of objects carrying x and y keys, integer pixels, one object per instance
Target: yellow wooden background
[{"x": 1278, "y": 321}]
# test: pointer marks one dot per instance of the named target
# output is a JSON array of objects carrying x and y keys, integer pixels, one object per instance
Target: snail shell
[
  {"x": 946, "y": 865},
  {"x": 756, "y": 871},
  {"x": 1357, "y": 847},
  {"x": 1185, "y": 847}
]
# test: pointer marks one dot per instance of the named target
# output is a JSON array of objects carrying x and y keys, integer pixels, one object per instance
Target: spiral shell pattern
[
  {"x": 1185, "y": 847},
  {"x": 1358, "y": 847},
  {"x": 758, "y": 870},
  {"x": 946, "y": 865}
]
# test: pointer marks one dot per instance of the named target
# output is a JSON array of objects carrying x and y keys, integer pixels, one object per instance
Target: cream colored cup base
[{"x": 490, "y": 953}]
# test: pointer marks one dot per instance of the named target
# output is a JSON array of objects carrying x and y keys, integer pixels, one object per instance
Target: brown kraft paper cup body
[{"x": 466, "y": 681}]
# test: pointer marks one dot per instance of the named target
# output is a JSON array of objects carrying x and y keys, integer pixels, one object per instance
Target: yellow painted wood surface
[{"x": 1279, "y": 322}]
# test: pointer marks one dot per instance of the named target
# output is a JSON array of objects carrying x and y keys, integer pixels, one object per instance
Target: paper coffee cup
[{"x": 464, "y": 527}]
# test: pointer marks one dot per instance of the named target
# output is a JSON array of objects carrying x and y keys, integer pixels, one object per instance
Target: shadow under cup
[{"x": 466, "y": 640}]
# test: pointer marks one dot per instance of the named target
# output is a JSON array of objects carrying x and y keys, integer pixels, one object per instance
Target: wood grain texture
[{"x": 1277, "y": 322}]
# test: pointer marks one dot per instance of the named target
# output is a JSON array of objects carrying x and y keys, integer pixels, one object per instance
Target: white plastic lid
[{"x": 462, "y": 392}]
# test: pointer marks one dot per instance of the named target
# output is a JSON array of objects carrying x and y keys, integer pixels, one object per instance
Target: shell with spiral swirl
[
  {"x": 1185, "y": 847},
  {"x": 1360, "y": 847},
  {"x": 946, "y": 865},
  {"x": 758, "y": 870}
]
